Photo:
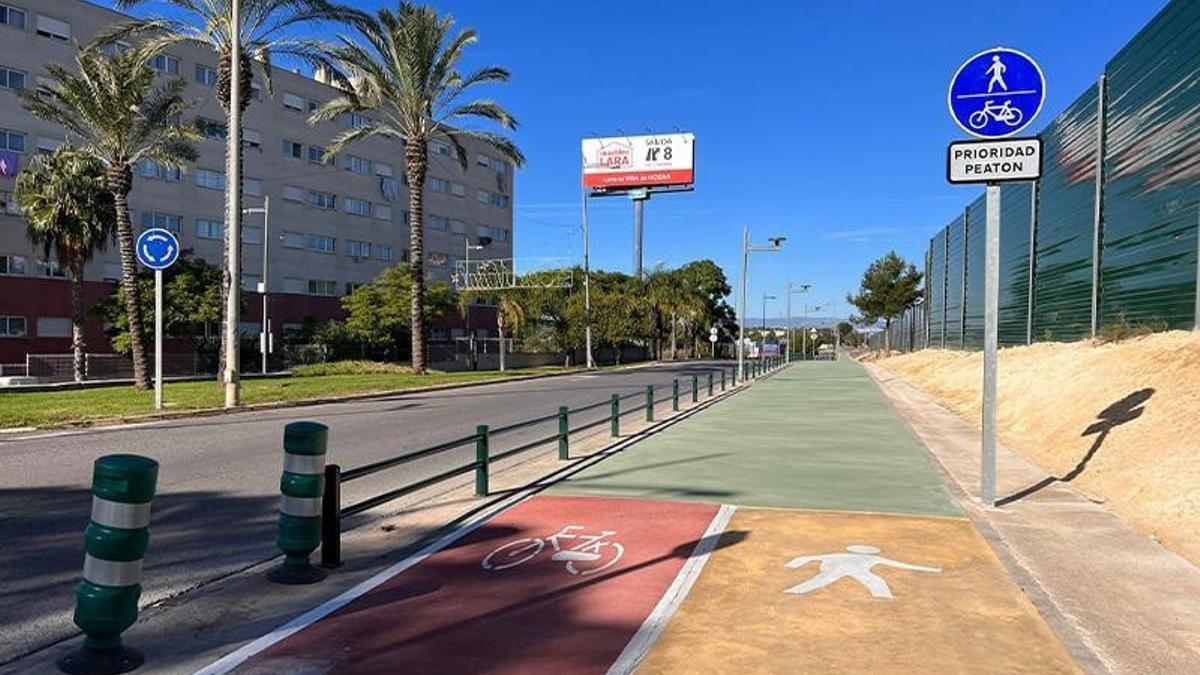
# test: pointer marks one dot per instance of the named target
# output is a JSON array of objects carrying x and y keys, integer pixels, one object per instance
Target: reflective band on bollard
[
  {"x": 302, "y": 484},
  {"x": 106, "y": 600}
]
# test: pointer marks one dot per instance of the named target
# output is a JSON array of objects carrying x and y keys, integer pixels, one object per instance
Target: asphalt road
[{"x": 218, "y": 487}]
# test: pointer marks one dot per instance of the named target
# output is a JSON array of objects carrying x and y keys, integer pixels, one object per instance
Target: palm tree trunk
[
  {"x": 887, "y": 336},
  {"x": 416, "y": 162},
  {"x": 77, "y": 344},
  {"x": 120, "y": 182},
  {"x": 674, "y": 323},
  {"x": 500, "y": 331},
  {"x": 224, "y": 92}
]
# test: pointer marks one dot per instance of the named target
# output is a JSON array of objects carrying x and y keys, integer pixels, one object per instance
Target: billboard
[{"x": 629, "y": 162}]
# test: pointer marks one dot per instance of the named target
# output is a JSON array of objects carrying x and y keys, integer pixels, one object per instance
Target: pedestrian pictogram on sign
[{"x": 996, "y": 93}]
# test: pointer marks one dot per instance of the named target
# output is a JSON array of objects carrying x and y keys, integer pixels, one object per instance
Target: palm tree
[
  {"x": 510, "y": 311},
  {"x": 115, "y": 113},
  {"x": 407, "y": 76},
  {"x": 264, "y": 26},
  {"x": 69, "y": 211}
]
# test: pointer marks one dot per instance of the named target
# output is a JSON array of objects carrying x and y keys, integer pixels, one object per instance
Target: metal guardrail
[{"x": 332, "y": 510}]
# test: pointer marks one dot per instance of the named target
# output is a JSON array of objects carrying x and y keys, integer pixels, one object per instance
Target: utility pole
[
  {"x": 264, "y": 340},
  {"x": 233, "y": 234},
  {"x": 775, "y": 246}
]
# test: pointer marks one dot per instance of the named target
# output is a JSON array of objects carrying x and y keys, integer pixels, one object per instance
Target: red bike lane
[{"x": 539, "y": 603}]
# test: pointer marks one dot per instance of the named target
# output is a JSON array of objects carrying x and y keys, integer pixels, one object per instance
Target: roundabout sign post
[
  {"x": 158, "y": 249},
  {"x": 993, "y": 96}
]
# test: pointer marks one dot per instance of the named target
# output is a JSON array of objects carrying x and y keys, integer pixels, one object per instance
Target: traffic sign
[
  {"x": 1010, "y": 159},
  {"x": 157, "y": 248},
  {"x": 996, "y": 93},
  {"x": 712, "y": 338},
  {"x": 712, "y": 330}
]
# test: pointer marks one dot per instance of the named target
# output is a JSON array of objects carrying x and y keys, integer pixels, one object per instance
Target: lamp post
[
  {"x": 775, "y": 246},
  {"x": 802, "y": 288},
  {"x": 467, "y": 248},
  {"x": 763, "y": 339},
  {"x": 264, "y": 340}
]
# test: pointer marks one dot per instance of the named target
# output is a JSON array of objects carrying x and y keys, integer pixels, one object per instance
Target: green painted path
[{"x": 817, "y": 435}]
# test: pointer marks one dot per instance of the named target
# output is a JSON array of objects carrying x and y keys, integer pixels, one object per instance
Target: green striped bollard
[
  {"x": 675, "y": 395},
  {"x": 616, "y": 416},
  {"x": 106, "y": 600},
  {"x": 483, "y": 458},
  {"x": 695, "y": 388},
  {"x": 302, "y": 484},
  {"x": 564, "y": 432},
  {"x": 649, "y": 403}
]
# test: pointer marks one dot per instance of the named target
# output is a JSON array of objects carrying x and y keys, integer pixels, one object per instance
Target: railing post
[
  {"x": 331, "y": 517},
  {"x": 722, "y": 379},
  {"x": 710, "y": 384},
  {"x": 733, "y": 375},
  {"x": 481, "y": 460},
  {"x": 616, "y": 415},
  {"x": 106, "y": 599},
  {"x": 302, "y": 484},
  {"x": 649, "y": 403},
  {"x": 675, "y": 395},
  {"x": 564, "y": 432},
  {"x": 695, "y": 388}
]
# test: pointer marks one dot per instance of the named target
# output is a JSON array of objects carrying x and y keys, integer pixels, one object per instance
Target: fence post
[
  {"x": 331, "y": 517},
  {"x": 733, "y": 375},
  {"x": 710, "y": 384},
  {"x": 675, "y": 395},
  {"x": 615, "y": 420},
  {"x": 106, "y": 600},
  {"x": 722, "y": 379},
  {"x": 302, "y": 484},
  {"x": 649, "y": 403},
  {"x": 482, "y": 459},
  {"x": 695, "y": 388},
  {"x": 564, "y": 432}
]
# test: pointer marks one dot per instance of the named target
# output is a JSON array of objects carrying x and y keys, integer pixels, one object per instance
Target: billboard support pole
[
  {"x": 639, "y": 203},
  {"x": 587, "y": 289}
]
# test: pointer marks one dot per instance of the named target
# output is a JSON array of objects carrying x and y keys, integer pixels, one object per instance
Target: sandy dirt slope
[{"x": 1121, "y": 421}]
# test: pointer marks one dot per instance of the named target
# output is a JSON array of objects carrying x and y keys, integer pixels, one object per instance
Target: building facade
[{"x": 333, "y": 224}]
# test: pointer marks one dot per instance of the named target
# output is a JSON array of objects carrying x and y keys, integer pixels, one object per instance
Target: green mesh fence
[
  {"x": 954, "y": 283},
  {"x": 976, "y": 220}
]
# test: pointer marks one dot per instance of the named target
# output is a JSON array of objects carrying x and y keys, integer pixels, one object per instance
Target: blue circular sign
[
  {"x": 996, "y": 93},
  {"x": 157, "y": 248}
]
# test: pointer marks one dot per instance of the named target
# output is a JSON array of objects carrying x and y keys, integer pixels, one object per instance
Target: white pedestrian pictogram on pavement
[
  {"x": 595, "y": 553},
  {"x": 857, "y": 563},
  {"x": 996, "y": 70}
]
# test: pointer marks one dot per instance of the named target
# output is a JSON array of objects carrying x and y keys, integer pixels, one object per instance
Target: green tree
[
  {"x": 889, "y": 287},
  {"x": 191, "y": 306},
  {"x": 113, "y": 111},
  {"x": 264, "y": 32},
  {"x": 407, "y": 75},
  {"x": 69, "y": 212},
  {"x": 380, "y": 312},
  {"x": 510, "y": 305}
]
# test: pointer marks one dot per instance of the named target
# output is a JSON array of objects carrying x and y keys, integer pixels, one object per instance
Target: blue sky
[{"x": 824, "y": 122}]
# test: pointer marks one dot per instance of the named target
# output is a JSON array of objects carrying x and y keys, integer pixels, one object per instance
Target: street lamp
[
  {"x": 775, "y": 245},
  {"x": 467, "y": 248},
  {"x": 264, "y": 339},
  {"x": 763, "y": 338},
  {"x": 802, "y": 288}
]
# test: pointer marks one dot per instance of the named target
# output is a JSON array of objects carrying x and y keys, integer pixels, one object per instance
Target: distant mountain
[{"x": 797, "y": 322}]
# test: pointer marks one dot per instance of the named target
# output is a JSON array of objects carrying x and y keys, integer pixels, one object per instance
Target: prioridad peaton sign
[{"x": 630, "y": 162}]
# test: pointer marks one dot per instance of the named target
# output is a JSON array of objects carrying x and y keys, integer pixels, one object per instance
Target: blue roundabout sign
[
  {"x": 996, "y": 93},
  {"x": 157, "y": 248}
]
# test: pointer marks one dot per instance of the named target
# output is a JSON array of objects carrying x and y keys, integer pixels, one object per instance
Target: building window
[
  {"x": 165, "y": 63},
  {"x": 53, "y": 327},
  {"x": 252, "y": 234},
  {"x": 383, "y": 169},
  {"x": 112, "y": 272},
  {"x": 440, "y": 148},
  {"x": 255, "y": 91},
  {"x": 322, "y": 287},
  {"x": 293, "y": 285},
  {"x": 482, "y": 160},
  {"x": 383, "y": 252},
  {"x": 358, "y": 165},
  {"x": 212, "y": 128},
  {"x": 11, "y": 16},
  {"x": 293, "y": 193},
  {"x": 12, "y": 265},
  {"x": 11, "y": 79},
  {"x": 53, "y": 28},
  {"x": 161, "y": 220},
  {"x": 436, "y": 222},
  {"x": 12, "y": 326},
  {"x": 159, "y": 171},
  {"x": 356, "y": 120},
  {"x": 358, "y": 207},
  {"x": 458, "y": 189},
  {"x": 499, "y": 200},
  {"x": 322, "y": 200},
  {"x": 213, "y": 180},
  {"x": 8, "y": 203},
  {"x": 321, "y": 243},
  {"x": 483, "y": 196},
  {"x": 438, "y": 259},
  {"x": 252, "y": 187},
  {"x": 458, "y": 226},
  {"x": 252, "y": 138},
  {"x": 294, "y": 102},
  {"x": 209, "y": 229},
  {"x": 293, "y": 149},
  {"x": 495, "y": 233},
  {"x": 358, "y": 249},
  {"x": 12, "y": 141},
  {"x": 316, "y": 155},
  {"x": 50, "y": 268},
  {"x": 47, "y": 146},
  {"x": 439, "y": 185},
  {"x": 250, "y": 281},
  {"x": 205, "y": 75},
  {"x": 382, "y": 212},
  {"x": 293, "y": 239}
]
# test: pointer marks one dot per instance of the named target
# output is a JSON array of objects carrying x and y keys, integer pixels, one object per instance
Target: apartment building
[{"x": 333, "y": 224}]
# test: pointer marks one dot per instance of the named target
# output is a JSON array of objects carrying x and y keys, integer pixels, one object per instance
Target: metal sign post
[
  {"x": 993, "y": 95},
  {"x": 158, "y": 249}
]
